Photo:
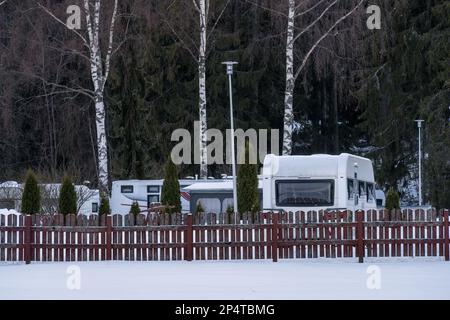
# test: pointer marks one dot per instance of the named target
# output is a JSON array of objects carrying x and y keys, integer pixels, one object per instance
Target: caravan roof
[
  {"x": 213, "y": 186},
  {"x": 318, "y": 165}
]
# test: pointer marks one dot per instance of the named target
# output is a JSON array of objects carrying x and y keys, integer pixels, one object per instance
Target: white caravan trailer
[
  {"x": 87, "y": 199},
  {"x": 11, "y": 197},
  {"x": 318, "y": 182},
  {"x": 146, "y": 192}
]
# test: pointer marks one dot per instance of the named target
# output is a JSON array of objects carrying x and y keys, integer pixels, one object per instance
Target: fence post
[
  {"x": 27, "y": 240},
  {"x": 446, "y": 236},
  {"x": 360, "y": 235},
  {"x": 108, "y": 237},
  {"x": 188, "y": 254},
  {"x": 275, "y": 237}
]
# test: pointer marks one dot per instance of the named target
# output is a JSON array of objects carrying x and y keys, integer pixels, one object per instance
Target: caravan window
[
  {"x": 370, "y": 192},
  {"x": 151, "y": 198},
  {"x": 152, "y": 189},
  {"x": 350, "y": 189},
  {"x": 210, "y": 204},
  {"x": 227, "y": 202},
  {"x": 304, "y": 193},
  {"x": 361, "y": 188},
  {"x": 126, "y": 189}
]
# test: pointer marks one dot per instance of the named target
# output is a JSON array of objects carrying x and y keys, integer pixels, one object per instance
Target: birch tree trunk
[
  {"x": 203, "y": 11},
  {"x": 99, "y": 79},
  {"x": 290, "y": 82}
]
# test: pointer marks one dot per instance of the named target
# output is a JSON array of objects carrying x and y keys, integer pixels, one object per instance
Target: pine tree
[
  {"x": 135, "y": 210},
  {"x": 31, "y": 197},
  {"x": 247, "y": 184},
  {"x": 170, "y": 194},
  {"x": 104, "y": 205},
  {"x": 67, "y": 197},
  {"x": 392, "y": 199}
]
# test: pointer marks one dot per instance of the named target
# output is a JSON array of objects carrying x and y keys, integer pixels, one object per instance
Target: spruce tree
[
  {"x": 247, "y": 184},
  {"x": 392, "y": 199},
  {"x": 31, "y": 197},
  {"x": 104, "y": 205},
  {"x": 67, "y": 197},
  {"x": 199, "y": 208},
  {"x": 135, "y": 210},
  {"x": 170, "y": 194}
]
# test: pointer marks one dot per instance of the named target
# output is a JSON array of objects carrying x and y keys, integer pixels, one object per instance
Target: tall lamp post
[
  {"x": 419, "y": 126},
  {"x": 229, "y": 65}
]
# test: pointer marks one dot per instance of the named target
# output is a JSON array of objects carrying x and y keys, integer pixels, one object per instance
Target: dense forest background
[{"x": 360, "y": 91}]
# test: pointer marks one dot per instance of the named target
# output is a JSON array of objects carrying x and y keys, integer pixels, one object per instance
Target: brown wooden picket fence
[{"x": 164, "y": 237}]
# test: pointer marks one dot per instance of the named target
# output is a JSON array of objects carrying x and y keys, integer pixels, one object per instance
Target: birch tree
[
  {"x": 295, "y": 9},
  {"x": 199, "y": 53},
  {"x": 202, "y": 7},
  {"x": 290, "y": 82},
  {"x": 291, "y": 73},
  {"x": 99, "y": 70}
]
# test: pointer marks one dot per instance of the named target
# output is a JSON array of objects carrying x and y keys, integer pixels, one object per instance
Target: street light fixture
[
  {"x": 419, "y": 126},
  {"x": 230, "y": 65}
]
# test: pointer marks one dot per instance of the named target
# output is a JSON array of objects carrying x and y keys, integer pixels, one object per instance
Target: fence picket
[
  {"x": 422, "y": 234},
  {"x": 2, "y": 238}
]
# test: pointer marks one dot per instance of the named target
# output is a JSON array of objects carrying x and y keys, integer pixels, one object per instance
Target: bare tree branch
[
  {"x": 266, "y": 8},
  {"x": 84, "y": 91},
  {"x": 307, "y": 10},
  {"x": 332, "y": 52},
  {"x": 308, "y": 54},
  {"x": 217, "y": 20},
  {"x": 171, "y": 4},
  {"x": 180, "y": 39},
  {"x": 124, "y": 39},
  {"x": 62, "y": 22},
  {"x": 196, "y": 5},
  {"x": 315, "y": 21},
  {"x": 68, "y": 50}
]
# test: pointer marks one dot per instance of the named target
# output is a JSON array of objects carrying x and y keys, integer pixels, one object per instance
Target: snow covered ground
[{"x": 288, "y": 279}]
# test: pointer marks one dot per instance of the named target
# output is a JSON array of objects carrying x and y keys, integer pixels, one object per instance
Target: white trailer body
[
  {"x": 318, "y": 182},
  {"x": 146, "y": 192}
]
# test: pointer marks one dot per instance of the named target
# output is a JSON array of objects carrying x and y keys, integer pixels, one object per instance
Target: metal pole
[
  {"x": 229, "y": 65},
  {"x": 419, "y": 126},
  {"x": 420, "y": 168}
]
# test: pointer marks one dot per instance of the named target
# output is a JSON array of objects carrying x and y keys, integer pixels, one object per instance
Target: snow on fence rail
[{"x": 158, "y": 237}]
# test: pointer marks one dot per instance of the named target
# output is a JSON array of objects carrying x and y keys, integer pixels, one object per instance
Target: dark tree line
[{"x": 359, "y": 92}]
